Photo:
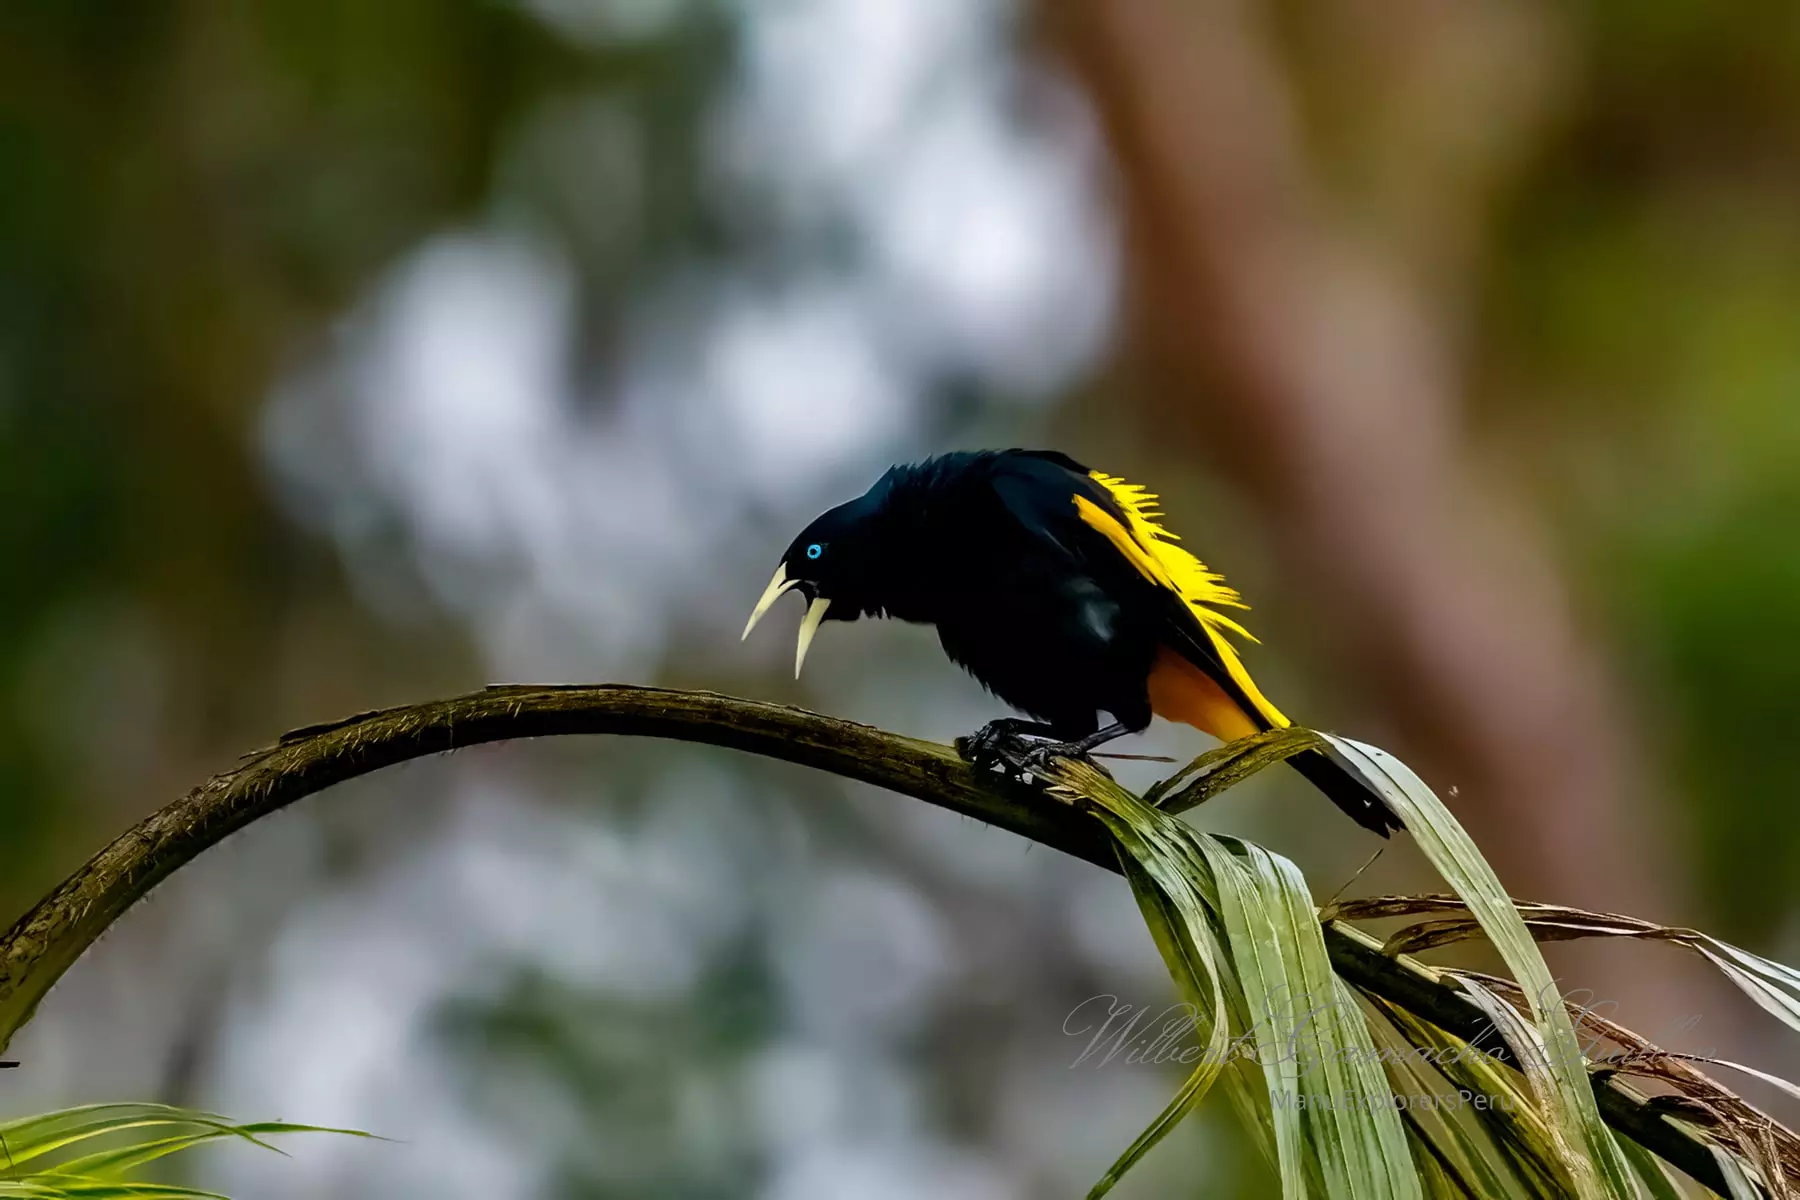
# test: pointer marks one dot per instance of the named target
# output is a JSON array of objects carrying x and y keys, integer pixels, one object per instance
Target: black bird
[{"x": 1054, "y": 587}]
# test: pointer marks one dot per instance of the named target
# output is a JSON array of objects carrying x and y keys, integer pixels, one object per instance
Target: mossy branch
[{"x": 46, "y": 941}]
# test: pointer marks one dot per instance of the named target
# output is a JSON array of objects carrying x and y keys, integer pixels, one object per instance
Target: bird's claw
[
  {"x": 993, "y": 745},
  {"x": 1037, "y": 759},
  {"x": 1040, "y": 759},
  {"x": 997, "y": 744}
]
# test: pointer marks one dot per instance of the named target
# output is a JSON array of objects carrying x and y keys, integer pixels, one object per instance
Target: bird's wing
[
  {"x": 1115, "y": 534},
  {"x": 1110, "y": 527},
  {"x": 1196, "y": 593}
]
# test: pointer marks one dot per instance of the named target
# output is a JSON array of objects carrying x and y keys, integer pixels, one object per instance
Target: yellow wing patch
[{"x": 1152, "y": 550}]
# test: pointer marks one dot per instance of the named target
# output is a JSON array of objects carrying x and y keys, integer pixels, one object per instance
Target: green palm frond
[
  {"x": 1243, "y": 941},
  {"x": 1774, "y": 986},
  {"x": 96, "y": 1150}
]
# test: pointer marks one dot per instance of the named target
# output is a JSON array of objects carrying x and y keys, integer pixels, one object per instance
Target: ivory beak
[
  {"x": 814, "y": 616},
  {"x": 777, "y": 587}
]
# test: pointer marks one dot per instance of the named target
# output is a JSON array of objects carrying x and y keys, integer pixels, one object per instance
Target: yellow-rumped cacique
[{"x": 1059, "y": 591}]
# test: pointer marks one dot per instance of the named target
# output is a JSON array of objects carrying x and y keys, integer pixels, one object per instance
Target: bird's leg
[{"x": 989, "y": 744}]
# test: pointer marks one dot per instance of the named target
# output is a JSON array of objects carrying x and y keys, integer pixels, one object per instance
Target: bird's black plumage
[{"x": 1048, "y": 585}]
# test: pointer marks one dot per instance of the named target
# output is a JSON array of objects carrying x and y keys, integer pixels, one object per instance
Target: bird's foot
[
  {"x": 1040, "y": 757},
  {"x": 1021, "y": 748},
  {"x": 1004, "y": 742}
]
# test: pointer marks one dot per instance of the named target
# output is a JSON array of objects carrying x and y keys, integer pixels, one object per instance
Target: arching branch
[{"x": 46, "y": 941}]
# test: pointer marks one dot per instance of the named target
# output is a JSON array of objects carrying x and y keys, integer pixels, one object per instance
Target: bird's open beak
[
  {"x": 777, "y": 586},
  {"x": 815, "y": 615}
]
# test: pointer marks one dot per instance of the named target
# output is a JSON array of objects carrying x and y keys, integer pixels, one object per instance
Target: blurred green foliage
[
  {"x": 188, "y": 194},
  {"x": 660, "y": 1090},
  {"x": 1641, "y": 349}
]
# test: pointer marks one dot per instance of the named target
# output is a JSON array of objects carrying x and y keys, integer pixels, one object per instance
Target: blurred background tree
[{"x": 353, "y": 353}]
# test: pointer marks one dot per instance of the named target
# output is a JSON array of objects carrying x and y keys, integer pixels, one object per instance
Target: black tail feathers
[{"x": 1327, "y": 771}]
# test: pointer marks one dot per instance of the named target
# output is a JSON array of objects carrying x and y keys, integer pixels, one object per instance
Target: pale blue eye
[{"x": 814, "y": 550}]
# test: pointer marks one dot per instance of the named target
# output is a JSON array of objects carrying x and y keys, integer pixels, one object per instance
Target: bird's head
[{"x": 832, "y": 565}]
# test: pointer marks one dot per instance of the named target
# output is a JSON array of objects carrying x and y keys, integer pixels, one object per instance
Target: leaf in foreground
[{"x": 58, "y": 1155}]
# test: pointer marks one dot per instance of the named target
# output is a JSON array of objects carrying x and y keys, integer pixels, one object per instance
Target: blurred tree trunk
[{"x": 1304, "y": 364}]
